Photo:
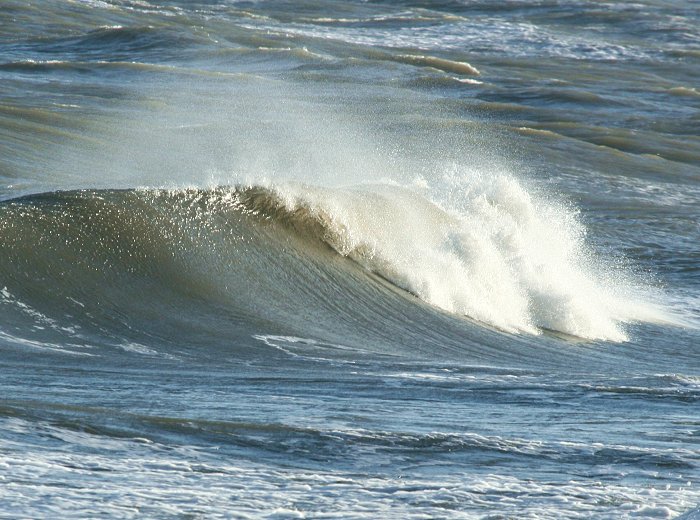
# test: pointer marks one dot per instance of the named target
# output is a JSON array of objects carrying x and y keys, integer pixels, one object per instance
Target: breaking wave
[{"x": 278, "y": 254}]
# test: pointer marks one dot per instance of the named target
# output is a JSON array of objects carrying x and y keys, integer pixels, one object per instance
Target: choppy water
[{"x": 349, "y": 259}]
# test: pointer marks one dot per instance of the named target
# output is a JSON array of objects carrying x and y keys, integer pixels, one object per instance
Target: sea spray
[{"x": 498, "y": 253}]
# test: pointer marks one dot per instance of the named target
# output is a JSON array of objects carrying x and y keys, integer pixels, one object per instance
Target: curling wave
[{"x": 278, "y": 254}]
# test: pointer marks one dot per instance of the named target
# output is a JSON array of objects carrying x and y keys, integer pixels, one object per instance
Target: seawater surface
[{"x": 349, "y": 259}]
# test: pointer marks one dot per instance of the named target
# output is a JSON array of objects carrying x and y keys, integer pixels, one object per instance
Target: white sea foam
[
  {"x": 490, "y": 34},
  {"x": 481, "y": 246},
  {"x": 157, "y": 480}
]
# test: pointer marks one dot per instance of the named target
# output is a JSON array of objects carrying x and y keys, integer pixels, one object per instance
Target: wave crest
[{"x": 498, "y": 255}]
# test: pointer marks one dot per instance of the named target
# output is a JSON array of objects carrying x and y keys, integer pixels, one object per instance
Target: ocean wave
[{"x": 498, "y": 256}]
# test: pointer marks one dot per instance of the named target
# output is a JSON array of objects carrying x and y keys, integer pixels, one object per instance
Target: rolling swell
[
  {"x": 143, "y": 269},
  {"x": 149, "y": 269}
]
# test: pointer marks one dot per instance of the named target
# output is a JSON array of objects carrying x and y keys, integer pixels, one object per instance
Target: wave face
[{"x": 498, "y": 256}]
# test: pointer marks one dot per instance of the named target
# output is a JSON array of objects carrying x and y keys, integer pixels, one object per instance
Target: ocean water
[{"x": 350, "y": 259}]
